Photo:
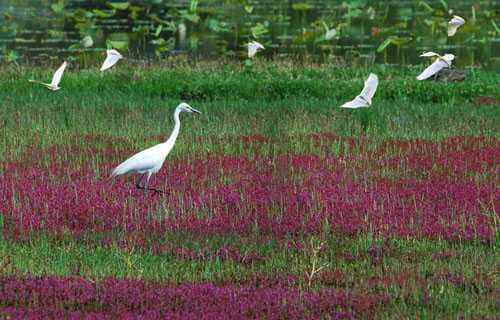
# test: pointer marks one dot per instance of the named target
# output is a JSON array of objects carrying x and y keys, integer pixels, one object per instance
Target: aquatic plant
[{"x": 329, "y": 29}]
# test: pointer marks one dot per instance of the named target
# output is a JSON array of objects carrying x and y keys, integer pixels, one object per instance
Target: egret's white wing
[
  {"x": 112, "y": 57},
  {"x": 434, "y": 68},
  {"x": 454, "y": 24},
  {"x": 145, "y": 160},
  {"x": 58, "y": 75},
  {"x": 253, "y": 47},
  {"x": 370, "y": 87},
  {"x": 430, "y": 54},
  {"x": 357, "y": 102},
  {"x": 139, "y": 162},
  {"x": 39, "y": 82},
  {"x": 109, "y": 62}
]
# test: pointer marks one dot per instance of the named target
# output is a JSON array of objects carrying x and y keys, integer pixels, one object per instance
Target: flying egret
[
  {"x": 454, "y": 24},
  {"x": 364, "y": 99},
  {"x": 112, "y": 57},
  {"x": 150, "y": 161},
  {"x": 253, "y": 47},
  {"x": 430, "y": 54},
  {"x": 54, "y": 85},
  {"x": 440, "y": 63}
]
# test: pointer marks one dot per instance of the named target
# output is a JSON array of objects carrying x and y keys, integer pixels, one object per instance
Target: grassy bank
[{"x": 272, "y": 100}]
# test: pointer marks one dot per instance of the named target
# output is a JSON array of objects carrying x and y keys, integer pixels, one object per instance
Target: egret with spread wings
[
  {"x": 455, "y": 23},
  {"x": 112, "y": 57},
  {"x": 440, "y": 63},
  {"x": 56, "y": 79},
  {"x": 253, "y": 47},
  {"x": 364, "y": 99}
]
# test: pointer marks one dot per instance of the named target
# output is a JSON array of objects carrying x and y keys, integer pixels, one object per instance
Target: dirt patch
[{"x": 486, "y": 100}]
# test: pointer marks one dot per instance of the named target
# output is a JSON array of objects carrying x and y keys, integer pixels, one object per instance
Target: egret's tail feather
[
  {"x": 120, "y": 169},
  {"x": 116, "y": 171}
]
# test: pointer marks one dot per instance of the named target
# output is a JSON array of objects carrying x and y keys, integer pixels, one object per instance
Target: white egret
[
  {"x": 56, "y": 79},
  {"x": 440, "y": 63},
  {"x": 430, "y": 54},
  {"x": 150, "y": 161},
  {"x": 455, "y": 23},
  {"x": 364, "y": 99},
  {"x": 253, "y": 47},
  {"x": 112, "y": 57}
]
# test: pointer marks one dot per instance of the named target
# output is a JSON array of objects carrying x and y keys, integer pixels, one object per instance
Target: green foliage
[
  {"x": 409, "y": 271},
  {"x": 283, "y": 100},
  {"x": 397, "y": 41},
  {"x": 331, "y": 31}
]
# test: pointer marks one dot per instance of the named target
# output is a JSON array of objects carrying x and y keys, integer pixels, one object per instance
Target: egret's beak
[{"x": 194, "y": 110}]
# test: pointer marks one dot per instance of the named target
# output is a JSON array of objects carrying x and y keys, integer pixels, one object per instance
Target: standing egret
[
  {"x": 253, "y": 47},
  {"x": 454, "y": 24},
  {"x": 54, "y": 85},
  {"x": 112, "y": 57},
  {"x": 440, "y": 63},
  {"x": 364, "y": 99},
  {"x": 149, "y": 161}
]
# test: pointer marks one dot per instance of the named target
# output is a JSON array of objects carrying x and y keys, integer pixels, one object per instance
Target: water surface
[{"x": 351, "y": 31}]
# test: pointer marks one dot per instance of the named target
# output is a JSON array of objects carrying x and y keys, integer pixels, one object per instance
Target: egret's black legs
[
  {"x": 138, "y": 183},
  {"x": 145, "y": 187}
]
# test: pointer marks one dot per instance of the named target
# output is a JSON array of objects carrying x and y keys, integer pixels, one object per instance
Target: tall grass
[{"x": 272, "y": 100}]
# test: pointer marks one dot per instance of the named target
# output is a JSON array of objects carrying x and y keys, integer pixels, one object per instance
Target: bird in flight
[
  {"x": 440, "y": 63},
  {"x": 253, "y": 48},
  {"x": 430, "y": 54},
  {"x": 364, "y": 99},
  {"x": 455, "y": 23},
  {"x": 112, "y": 57},
  {"x": 150, "y": 161},
  {"x": 56, "y": 79}
]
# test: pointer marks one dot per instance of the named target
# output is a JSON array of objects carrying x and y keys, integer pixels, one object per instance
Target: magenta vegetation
[
  {"x": 76, "y": 298},
  {"x": 446, "y": 189}
]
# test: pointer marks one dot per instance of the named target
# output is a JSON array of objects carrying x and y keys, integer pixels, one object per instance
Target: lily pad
[
  {"x": 259, "y": 29},
  {"x": 58, "y": 6},
  {"x": 118, "y": 41},
  {"x": 119, "y": 5},
  {"x": 249, "y": 9},
  {"x": 398, "y": 41},
  {"x": 301, "y": 6}
]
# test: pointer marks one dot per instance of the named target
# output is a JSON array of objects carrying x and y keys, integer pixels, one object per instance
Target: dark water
[{"x": 351, "y": 31}]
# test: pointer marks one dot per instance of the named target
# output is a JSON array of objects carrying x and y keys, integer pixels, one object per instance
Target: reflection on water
[{"x": 361, "y": 31}]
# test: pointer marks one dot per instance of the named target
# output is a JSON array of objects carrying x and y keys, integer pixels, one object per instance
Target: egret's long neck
[{"x": 177, "y": 127}]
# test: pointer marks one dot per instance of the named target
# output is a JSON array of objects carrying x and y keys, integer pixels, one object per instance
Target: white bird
[
  {"x": 56, "y": 79},
  {"x": 112, "y": 57},
  {"x": 440, "y": 63},
  {"x": 364, "y": 99},
  {"x": 430, "y": 54},
  {"x": 454, "y": 24},
  {"x": 253, "y": 47},
  {"x": 150, "y": 161}
]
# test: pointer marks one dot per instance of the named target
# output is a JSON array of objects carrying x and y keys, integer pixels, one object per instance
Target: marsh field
[{"x": 277, "y": 203}]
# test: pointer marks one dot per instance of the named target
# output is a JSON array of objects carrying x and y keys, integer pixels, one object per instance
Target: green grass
[
  {"x": 409, "y": 271},
  {"x": 130, "y": 108},
  {"x": 271, "y": 100}
]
